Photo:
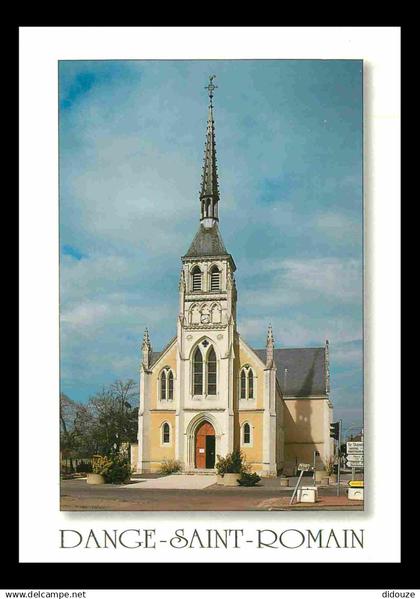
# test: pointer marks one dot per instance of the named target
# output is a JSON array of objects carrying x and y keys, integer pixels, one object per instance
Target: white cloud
[
  {"x": 347, "y": 354},
  {"x": 336, "y": 278},
  {"x": 301, "y": 332},
  {"x": 340, "y": 228},
  {"x": 295, "y": 281}
]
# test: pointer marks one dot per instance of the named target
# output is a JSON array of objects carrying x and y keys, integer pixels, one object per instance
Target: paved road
[{"x": 77, "y": 495}]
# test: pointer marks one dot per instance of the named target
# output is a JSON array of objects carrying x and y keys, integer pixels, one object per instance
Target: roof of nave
[
  {"x": 305, "y": 367},
  {"x": 300, "y": 371},
  {"x": 156, "y": 354}
]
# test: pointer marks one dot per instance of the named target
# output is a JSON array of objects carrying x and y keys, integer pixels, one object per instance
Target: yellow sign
[{"x": 356, "y": 483}]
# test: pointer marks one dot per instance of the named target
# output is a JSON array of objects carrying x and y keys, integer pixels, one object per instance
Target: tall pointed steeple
[
  {"x": 208, "y": 240},
  {"x": 209, "y": 195}
]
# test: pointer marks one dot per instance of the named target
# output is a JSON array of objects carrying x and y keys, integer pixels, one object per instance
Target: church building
[{"x": 209, "y": 392}]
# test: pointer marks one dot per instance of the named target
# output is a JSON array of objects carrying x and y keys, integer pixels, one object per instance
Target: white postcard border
[{"x": 40, "y": 518}]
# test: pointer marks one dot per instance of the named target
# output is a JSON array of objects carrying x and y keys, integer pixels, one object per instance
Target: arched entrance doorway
[{"x": 205, "y": 446}]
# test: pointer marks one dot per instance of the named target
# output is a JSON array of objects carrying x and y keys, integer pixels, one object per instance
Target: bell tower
[
  {"x": 206, "y": 331},
  {"x": 207, "y": 284}
]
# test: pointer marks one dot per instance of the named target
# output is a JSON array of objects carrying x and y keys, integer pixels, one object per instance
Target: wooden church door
[{"x": 205, "y": 446}]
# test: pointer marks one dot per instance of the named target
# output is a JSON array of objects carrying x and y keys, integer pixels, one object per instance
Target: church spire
[{"x": 209, "y": 195}]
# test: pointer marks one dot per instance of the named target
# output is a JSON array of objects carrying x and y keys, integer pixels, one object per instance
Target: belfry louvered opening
[
  {"x": 196, "y": 279},
  {"x": 215, "y": 279}
]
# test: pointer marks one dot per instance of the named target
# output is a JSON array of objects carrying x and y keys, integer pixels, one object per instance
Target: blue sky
[{"x": 289, "y": 147}]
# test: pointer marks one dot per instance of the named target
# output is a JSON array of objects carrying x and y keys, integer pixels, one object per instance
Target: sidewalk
[
  {"x": 174, "y": 481},
  {"x": 323, "y": 502}
]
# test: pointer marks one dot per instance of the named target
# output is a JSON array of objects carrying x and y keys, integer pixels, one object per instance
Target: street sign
[
  {"x": 356, "y": 483},
  {"x": 354, "y": 447},
  {"x": 304, "y": 467},
  {"x": 355, "y": 456},
  {"x": 355, "y": 465},
  {"x": 351, "y": 460}
]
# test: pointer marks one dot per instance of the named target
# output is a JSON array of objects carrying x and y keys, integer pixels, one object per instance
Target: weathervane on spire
[{"x": 211, "y": 87}]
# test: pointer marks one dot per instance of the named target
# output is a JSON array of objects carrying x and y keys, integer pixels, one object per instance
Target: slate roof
[
  {"x": 156, "y": 354},
  {"x": 209, "y": 183},
  {"x": 207, "y": 242},
  {"x": 305, "y": 370}
]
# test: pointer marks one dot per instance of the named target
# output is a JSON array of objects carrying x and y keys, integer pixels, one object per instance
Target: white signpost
[
  {"x": 303, "y": 468},
  {"x": 355, "y": 455},
  {"x": 354, "y": 447},
  {"x": 355, "y": 458},
  {"x": 354, "y": 463}
]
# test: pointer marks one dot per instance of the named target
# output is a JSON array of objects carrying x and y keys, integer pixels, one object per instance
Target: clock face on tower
[{"x": 205, "y": 318}]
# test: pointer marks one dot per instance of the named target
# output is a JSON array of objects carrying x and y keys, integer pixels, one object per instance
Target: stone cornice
[
  {"x": 205, "y": 296},
  {"x": 206, "y": 327},
  {"x": 204, "y": 409}
]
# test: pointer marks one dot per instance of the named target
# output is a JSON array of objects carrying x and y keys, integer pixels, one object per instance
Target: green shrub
[
  {"x": 115, "y": 470},
  {"x": 233, "y": 463},
  {"x": 249, "y": 480},
  {"x": 170, "y": 466},
  {"x": 84, "y": 467},
  {"x": 118, "y": 472}
]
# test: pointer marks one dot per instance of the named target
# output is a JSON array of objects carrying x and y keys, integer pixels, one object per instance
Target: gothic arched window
[
  {"x": 246, "y": 383},
  {"x": 166, "y": 434},
  {"x": 250, "y": 384},
  {"x": 163, "y": 384},
  {"x": 211, "y": 372},
  {"x": 204, "y": 370},
  {"x": 170, "y": 385},
  {"x": 196, "y": 278},
  {"x": 215, "y": 279},
  {"x": 246, "y": 434},
  {"x": 243, "y": 384},
  {"x": 166, "y": 383},
  {"x": 198, "y": 372}
]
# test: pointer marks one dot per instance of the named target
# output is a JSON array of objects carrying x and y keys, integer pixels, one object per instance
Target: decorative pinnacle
[
  {"x": 181, "y": 281},
  {"x": 270, "y": 337},
  {"x": 210, "y": 87},
  {"x": 146, "y": 340},
  {"x": 270, "y": 348}
]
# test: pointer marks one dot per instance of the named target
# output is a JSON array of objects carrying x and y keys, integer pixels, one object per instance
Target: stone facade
[{"x": 208, "y": 375}]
